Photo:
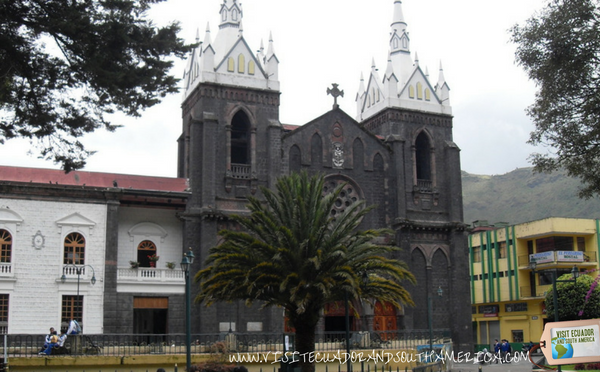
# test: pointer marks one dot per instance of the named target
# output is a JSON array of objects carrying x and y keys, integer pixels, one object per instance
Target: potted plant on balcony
[
  {"x": 153, "y": 258},
  {"x": 134, "y": 264},
  {"x": 171, "y": 265}
]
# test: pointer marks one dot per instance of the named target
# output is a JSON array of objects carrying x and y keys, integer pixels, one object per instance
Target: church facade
[{"x": 396, "y": 152}]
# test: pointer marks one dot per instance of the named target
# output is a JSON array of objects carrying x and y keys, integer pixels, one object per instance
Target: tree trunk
[{"x": 305, "y": 346}]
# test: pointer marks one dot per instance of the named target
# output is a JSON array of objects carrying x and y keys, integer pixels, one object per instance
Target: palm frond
[{"x": 293, "y": 253}]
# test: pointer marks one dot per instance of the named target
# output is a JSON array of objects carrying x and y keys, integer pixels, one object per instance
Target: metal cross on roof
[{"x": 335, "y": 92}]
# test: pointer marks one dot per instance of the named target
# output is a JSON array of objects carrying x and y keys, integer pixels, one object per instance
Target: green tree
[
  {"x": 294, "y": 254},
  {"x": 579, "y": 300},
  {"x": 559, "y": 48},
  {"x": 65, "y": 64}
]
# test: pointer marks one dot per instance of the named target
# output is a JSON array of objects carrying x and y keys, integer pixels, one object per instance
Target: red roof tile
[
  {"x": 91, "y": 179},
  {"x": 290, "y": 127}
]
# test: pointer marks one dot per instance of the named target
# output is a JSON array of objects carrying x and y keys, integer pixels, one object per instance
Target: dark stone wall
[
  {"x": 376, "y": 157},
  {"x": 364, "y": 160},
  {"x": 112, "y": 315},
  {"x": 123, "y": 322}
]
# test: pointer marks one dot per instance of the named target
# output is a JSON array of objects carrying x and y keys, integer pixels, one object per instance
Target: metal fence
[{"x": 21, "y": 345}]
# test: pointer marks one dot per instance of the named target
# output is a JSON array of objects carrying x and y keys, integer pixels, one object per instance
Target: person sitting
[
  {"x": 55, "y": 342},
  {"x": 47, "y": 339},
  {"x": 51, "y": 343},
  {"x": 59, "y": 348}
]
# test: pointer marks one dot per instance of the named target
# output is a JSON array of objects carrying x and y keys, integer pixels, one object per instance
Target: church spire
[
  {"x": 227, "y": 58},
  {"x": 400, "y": 41},
  {"x": 400, "y": 44},
  {"x": 442, "y": 89},
  {"x": 404, "y": 83},
  {"x": 398, "y": 22},
  {"x": 231, "y": 14}
]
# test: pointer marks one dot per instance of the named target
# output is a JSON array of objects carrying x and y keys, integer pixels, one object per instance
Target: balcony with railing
[
  {"x": 242, "y": 171},
  {"x": 6, "y": 270},
  {"x": 150, "y": 275},
  {"x": 423, "y": 186},
  {"x": 71, "y": 271},
  {"x": 148, "y": 279}
]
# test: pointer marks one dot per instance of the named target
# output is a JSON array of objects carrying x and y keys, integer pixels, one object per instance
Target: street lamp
[
  {"x": 78, "y": 269},
  {"x": 440, "y": 292},
  {"x": 347, "y": 326},
  {"x": 555, "y": 280},
  {"x": 186, "y": 262}
]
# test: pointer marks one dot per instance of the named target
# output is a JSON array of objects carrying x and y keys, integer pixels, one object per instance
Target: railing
[
  {"x": 240, "y": 171},
  {"x": 540, "y": 291},
  {"x": 424, "y": 186},
  {"x": 149, "y": 274},
  {"x": 70, "y": 271},
  {"x": 590, "y": 257},
  {"x": 6, "y": 269},
  {"x": 252, "y": 342}
]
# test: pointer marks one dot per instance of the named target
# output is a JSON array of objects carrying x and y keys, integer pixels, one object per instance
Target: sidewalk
[{"x": 520, "y": 366}]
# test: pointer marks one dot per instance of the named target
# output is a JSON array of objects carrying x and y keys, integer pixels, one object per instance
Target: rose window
[{"x": 349, "y": 195}]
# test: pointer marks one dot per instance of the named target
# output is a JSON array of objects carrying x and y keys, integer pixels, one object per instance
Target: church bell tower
[
  {"x": 230, "y": 142},
  {"x": 415, "y": 118}
]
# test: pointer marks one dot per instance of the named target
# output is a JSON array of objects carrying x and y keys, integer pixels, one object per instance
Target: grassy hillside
[{"x": 521, "y": 196}]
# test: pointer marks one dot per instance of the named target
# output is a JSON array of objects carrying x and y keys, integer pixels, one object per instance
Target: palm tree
[{"x": 296, "y": 255}]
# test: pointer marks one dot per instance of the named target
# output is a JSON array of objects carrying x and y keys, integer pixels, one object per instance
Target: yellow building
[{"x": 507, "y": 298}]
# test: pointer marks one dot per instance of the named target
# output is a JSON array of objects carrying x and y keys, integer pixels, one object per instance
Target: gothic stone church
[{"x": 396, "y": 153}]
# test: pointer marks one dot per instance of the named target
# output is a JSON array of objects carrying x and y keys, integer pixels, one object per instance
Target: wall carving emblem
[
  {"x": 338, "y": 155},
  {"x": 38, "y": 240}
]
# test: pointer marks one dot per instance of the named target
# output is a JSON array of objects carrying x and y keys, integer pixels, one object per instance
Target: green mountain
[{"x": 522, "y": 196}]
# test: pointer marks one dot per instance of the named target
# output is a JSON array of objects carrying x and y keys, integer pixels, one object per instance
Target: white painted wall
[
  {"x": 169, "y": 247},
  {"x": 35, "y": 290}
]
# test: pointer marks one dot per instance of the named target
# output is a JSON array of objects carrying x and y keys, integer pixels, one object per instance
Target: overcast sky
[{"x": 320, "y": 42}]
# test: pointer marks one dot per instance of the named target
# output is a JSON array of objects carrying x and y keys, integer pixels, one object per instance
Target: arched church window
[
  {"x": 404, "y": 42},
  {"x": 5, "y": 246},
  {"x": 419, "y": 90},
  {"x": 146, "y": 253},
  {"x": 378, "y": 164},
  {"x": 251, "y": 67},
  {"x": 423, "y": 157},
  {"x": 295, "y": 159},
  {"x": 74, "y": 249},
  {"x": 395, "y": 43},
  {"x": 358, "y": 154},
  {"x": 411, "y": 91},
  {"x": 316, "y": 150},
  {"x": 427, "y": 95},
  {"x": 234, "y": 15},
  {"x": 224, "y": 15},
  {"x": 241, "y": 63},
  {"x": 230, "y": 64},
  {"x": 240, "y": 139}
]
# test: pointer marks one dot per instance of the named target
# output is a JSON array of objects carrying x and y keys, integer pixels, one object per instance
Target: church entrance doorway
[
  {"x": 335, "y": 320},
  {"x": 385, "y": 320}
]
